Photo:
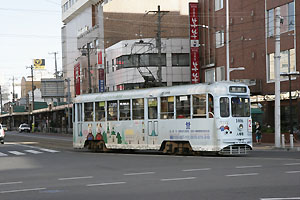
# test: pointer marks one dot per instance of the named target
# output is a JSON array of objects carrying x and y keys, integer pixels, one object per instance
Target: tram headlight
[{"x": 241, "y": 127}]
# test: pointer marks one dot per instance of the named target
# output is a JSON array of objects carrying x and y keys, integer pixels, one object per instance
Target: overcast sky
[{"x": 29, "y": 29}]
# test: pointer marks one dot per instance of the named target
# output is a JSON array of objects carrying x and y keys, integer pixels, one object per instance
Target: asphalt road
[{"x": 46, "y": 167}]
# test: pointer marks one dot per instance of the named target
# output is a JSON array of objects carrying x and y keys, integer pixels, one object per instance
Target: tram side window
[
  {"x": 183, "y": 107},
  {"x": 79, "y": 112},
  {"x": 124, "y": 108},
  {"x": 112, "y": 110},
  {"x": 138, "y": 108},
  {"x": 152, "y": 108},
  {"x": 88, "y": 112},
  {"x": 224, "y": 107},
  {"x": 211, "y": 105},
  {"x": 199, "y": 105},
  {"x": 100, "y": 111},
  {"x": 167, "y": 107}
]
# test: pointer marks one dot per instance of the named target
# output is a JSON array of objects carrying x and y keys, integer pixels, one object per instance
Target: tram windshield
[{"x": 240, "y": 107}]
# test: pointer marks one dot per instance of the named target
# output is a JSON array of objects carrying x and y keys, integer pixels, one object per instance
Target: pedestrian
[{"x": 258, "y": 132}]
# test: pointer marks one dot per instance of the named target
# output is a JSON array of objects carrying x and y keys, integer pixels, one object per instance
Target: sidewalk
[{"x": 271, "y": 146}]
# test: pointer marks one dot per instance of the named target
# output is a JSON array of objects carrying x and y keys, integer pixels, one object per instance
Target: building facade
[
  {"x": 91, "y": 26},
  {"x": 251, "y": 48}
]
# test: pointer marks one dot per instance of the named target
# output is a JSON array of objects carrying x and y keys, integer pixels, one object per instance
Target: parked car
[
  {"x": 4, "y": 127},
  {"x": 24, "y": 127},
  {"x": 2, "y": 134}
]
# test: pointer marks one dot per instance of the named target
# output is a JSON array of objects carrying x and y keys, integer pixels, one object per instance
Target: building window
[
  {"x": 287, "y": 63},
  {"x": 291, "y": 16},
  {"x": 271, "y": 23},
  {"x": 180, "y": 59},
  {"x": 219, "y": 38},
  {"x": 220, "y": 73},
  {"x": 218, "y": 4},
  {"x": 210, "y": 75}
]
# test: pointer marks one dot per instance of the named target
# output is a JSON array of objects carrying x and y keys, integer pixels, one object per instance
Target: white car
[
  {"x": 24, "y": 127},
  {"x": 2, "y": 134}
]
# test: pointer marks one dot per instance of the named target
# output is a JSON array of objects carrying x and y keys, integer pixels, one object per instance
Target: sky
[{"x": 30, "y": 29}]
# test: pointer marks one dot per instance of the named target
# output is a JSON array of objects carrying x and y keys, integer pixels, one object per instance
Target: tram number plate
[{"x": 240, "y": 134}]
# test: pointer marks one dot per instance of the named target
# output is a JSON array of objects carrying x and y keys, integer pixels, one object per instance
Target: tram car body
[{"x": 199, "y": 118}]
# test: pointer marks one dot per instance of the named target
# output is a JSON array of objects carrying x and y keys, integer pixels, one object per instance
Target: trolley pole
[{"x": 32, "y": 88}]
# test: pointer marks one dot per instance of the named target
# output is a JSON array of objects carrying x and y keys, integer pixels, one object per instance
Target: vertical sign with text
[
  {"x": 77, "y": 78},
  {"x": 194, "y": 43}
]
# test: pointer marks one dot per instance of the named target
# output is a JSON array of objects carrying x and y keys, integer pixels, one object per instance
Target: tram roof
[{"x": 216, "y": 88}]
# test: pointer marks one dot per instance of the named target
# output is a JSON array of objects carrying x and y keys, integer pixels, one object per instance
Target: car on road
[
  {"x": 24, "y": 127},
  {"x": 4, "y": 127},
  {"x": 2, "y": 134}
]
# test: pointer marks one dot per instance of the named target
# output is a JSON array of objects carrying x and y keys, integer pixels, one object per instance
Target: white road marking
[
  {"x": 243, "y": 167},
  {"x": 33, "y": 151},
  {"x": 22, "y": 190},
  {"x": 290, "y": 164},
  {"x": 11, "y": 183},
  {"x": 250, "y": 174},
  {"x": 178, "y": 179},
  {"x": 292, "y": 172},
  {"x": 17, "y": 153},
  {"x": 74, "y": 178},
  {"x": 103, "y": 184},
  {"x": 3, "y": 154},
  {"x": 49, "y": 150},
  {"x": 141, "y": 173},
  {"x": 192, "y": 170},
  {"x": 288, "y": 198}
]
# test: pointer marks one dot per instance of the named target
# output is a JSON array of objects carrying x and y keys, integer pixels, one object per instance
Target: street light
[
  {"x": 236, "y": 68},
  {"x": 290, "y": 74}
]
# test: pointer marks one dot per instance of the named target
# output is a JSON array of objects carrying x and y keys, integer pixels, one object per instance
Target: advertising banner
[
  {"x": 39, "y": 63},
  {"x": 77, "y": 78},
  {"x": 194, "y": 43},
  {"x": 101, "y": 80}
]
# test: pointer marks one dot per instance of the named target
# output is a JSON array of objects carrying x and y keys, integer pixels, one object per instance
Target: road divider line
[
  {"x": 21, "y": 190},
  {"x": 193, "y": 170},
  {"x": 292, "y": 172},
  {"x": 3, "y": 154},
  {"x": 178, "y": 179},
  {"x": 235, "y": 175},
  {"x": 291, "y": 164},
  {"x": 49, "y": 150},
  {"x": 74, "y": 178},
  {"x": 243, "y": 167},
  {"x": 11, "y": 183},
  {"x": 104, "y": 184},
  {"x": 140, "y": 173}
]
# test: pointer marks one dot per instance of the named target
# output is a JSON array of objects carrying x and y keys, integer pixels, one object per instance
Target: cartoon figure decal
[
  {"x": 90, "y": 135},
  {"x": 99, "y": 135}
]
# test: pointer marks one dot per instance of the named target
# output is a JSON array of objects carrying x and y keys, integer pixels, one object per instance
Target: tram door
[
  {"x": 78, "y": 120},
  {"x": 152, "y": 121}
]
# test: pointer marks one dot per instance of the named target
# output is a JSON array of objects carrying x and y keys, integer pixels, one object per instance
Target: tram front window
[{"x": 240, "y": 107}]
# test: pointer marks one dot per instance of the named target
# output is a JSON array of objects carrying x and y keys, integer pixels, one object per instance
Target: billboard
[
  {"x": 39, "y": 63},
  {"x": 52, "y": 88},
  {"x": 194, "y": 43}
]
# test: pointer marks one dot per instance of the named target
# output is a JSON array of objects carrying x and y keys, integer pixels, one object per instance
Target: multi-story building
[
  {"x": 251, "y": 47},
  {"x": 99, "y": 24}
]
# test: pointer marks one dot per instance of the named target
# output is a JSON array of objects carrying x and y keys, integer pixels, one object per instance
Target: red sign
[
  {"x": 194, "y": 42},
  {"x": 77, "y": 78},
  {"x": 100, "y": 57}
]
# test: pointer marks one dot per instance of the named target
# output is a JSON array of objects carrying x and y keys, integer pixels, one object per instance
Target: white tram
[{"x": 201, "y": 117}]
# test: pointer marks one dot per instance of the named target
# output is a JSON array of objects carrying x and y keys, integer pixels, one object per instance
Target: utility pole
[
  {"x": 32, "y": 88},
  {"x": 160, "y": 14},
  {"x": 1, "y": 100},
  {"x": 277, "y": 77},
  {"x": 69, "y": 102},
  {"x": 56, "y": 73},
  {"x": 227, "y": 41},
  {"x": 13, "y": 94}
]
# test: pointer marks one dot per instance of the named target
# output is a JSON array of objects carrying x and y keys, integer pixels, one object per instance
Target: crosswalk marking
[
  {"x": 33, "y": 151},
  {"x": 17, "y": 153},
  {"x": 49, "y": 150},
  {"x": 3, "y": 154}
]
